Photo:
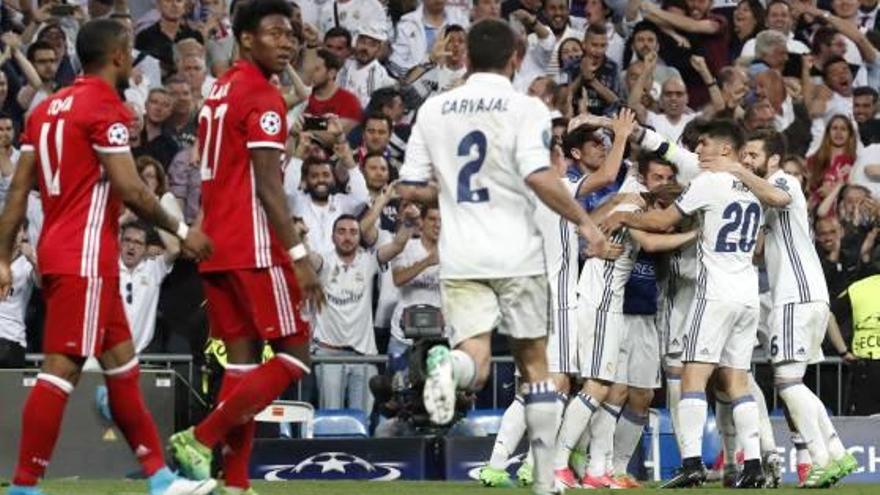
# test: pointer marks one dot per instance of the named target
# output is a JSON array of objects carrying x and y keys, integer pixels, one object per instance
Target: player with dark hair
[
  {"x": 259, "y": 277},
  {"x": 75, "y": 144}
]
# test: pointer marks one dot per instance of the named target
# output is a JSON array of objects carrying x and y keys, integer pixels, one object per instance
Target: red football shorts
[
  {"x": 257, "y": 303},
  {"x": 84, "y": 315}
]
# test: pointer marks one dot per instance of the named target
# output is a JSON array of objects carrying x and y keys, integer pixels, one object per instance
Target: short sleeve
[
  {"x": 25, "y": 141},
  {"x": 533, "y": 139},
  {"x": 416, "y": 167},
  {"x": 266, "y": 125},
  {"x": 696, "y": 195},
  {"x": 108, "y": 128},
  {"x": 784, "y": 183}
]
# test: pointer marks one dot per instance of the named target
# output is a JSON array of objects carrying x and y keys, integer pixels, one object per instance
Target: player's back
[
  {"x": 792, "y": 262},
  {"x": 483, "y": 139},
  {"x": 560, "y": 251},
  {"x": 731, "y": 217},
  {"x": 66, "y": 132},
  {"x": 242, "y": 112}
]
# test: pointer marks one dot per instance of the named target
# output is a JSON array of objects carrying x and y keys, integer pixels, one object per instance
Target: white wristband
[
  {"x": 298, "y": 252},
  {"x": 182, "y": 230}
]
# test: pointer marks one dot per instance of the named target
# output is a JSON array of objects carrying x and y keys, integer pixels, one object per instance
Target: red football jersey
[
  {"x": 242, "y": 112},
  {"x": 66, "y": 132}
]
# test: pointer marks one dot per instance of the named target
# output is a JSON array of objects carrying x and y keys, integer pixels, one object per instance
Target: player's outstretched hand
[
  {"x": 5, "y": 279},
  {"x": 623, "y": 123},
  {"x": 197, "y": 244},
  {"x": 309, "y": 285}
]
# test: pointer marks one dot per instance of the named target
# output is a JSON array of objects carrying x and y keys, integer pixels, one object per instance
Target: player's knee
[
  {"x": 640, "y": 399},
  {"x": 67, "y": 368},
  {"x": 562, "y": 382},
  {"x": 788, "y": 373}
]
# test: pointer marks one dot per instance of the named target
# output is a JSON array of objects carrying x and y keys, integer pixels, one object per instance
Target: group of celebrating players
[{"x": 508, "y": 261}]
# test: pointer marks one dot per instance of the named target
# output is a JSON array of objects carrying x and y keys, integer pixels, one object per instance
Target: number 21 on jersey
[
  {"x": 210, "y": 150},
  {"x": 52, "y": 142}
]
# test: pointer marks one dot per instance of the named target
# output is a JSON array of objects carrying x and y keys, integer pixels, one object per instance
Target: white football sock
[
  {"x": 464, "y": 369},
  {"x": 802, "y": 409},
  {"x": 835, "y": 447},
  {"x": 745, "y": 417},
  {"x": 673, "y": 396},
  {"x": 574, "y": 421},
  {"x": 541, "y": 410},
  {"x": 602, "y": 431},
  {"x": 768, "y": 441},
  {"x": 692, "y": 411},
  {"x": 510, "y": 433},
  {"x": 724, "y": 423},
  {"x": 626, "y": 438}
]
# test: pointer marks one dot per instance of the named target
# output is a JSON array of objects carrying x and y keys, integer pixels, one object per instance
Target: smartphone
[
  {"x": 62, "y": 10},
  {"x": 312, "y": 123}
]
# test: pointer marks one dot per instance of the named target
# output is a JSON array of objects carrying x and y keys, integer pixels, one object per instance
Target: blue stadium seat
[
  {"x": 488, "y": 420},
  {"x": 340, "y": 423}
]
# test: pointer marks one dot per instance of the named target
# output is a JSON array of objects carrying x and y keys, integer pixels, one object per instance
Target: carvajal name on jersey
[{"x": 474, "y": 105}]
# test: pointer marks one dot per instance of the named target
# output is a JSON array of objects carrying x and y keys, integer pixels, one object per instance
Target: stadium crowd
[{"x": 810, "y": 70}]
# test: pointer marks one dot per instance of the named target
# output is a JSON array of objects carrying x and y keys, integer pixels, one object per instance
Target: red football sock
[
  {"x": 41, "y": 423},
  {"x": 240, "y": 440},
  {"x": 132, "y": 417},
  {"x": 264, "y": 385}
]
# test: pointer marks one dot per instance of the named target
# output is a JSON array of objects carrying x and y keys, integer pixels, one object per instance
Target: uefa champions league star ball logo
[
  {"x": 117, "y": 134},
  {"x": 270, "y": 122},
  {"x": 334, "y": 465}
]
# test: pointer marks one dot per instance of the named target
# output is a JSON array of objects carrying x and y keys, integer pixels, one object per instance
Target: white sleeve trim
[
  {"x": 26, "y": 147},
  {"x": 265, "y": 144},
  {"x": 111, "y": 149}
]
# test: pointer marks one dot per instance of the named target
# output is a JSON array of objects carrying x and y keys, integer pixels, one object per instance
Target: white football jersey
[
  {"x": 792, "y": 263},
  {"x": 12, "y": 309},
  {"x": 602, "y": 282},
  {"x": 560, "y": 251},
  {"x": 731, "y": 217},
  {"x": 480, "y": 141}
]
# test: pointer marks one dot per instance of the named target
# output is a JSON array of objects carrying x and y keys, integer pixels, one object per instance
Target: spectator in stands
[
  {"x": 376, "y": 138},
  {"x": 598, "y": 13},
  {"x": 832, "y": 163},
  {"x": 158, "y": 40},
  {"x": 192, "y": 68},
  {"x": 788, "y": 116},
  {"x": 68, "y": 65},
  {"x": 327, "y": 97},
  {"x": 8, "y": 155},
  {"x": 779, "y": 19},
  {"x": 344, "y": 327},
  {"x": 378, "y": 178},
  {"x": 510, "y": 6},
  {"x": 734, "y": 86},
  {"x": 446, "y": 65},
  {"x": 417, "y": 32},
  {"x": 862, "y": 302},
  {"x": 45, "y": 61},
  {"x": 748, "y": 21},
  {"x": 597, "y": 88},
  {"x": 865, "y": 109},
  {"x": 355, "y": 16},
  {"x": 796, "y": 167},
  {"x": 645, "y": 41},
  {"x": 216, "y": 28},
  {"x": 364, "y": 73},
  {"x": 155, "y": 140},
  {"x": 327, "y": 193},
  {"x": 338, "y": 41},
  {"x": 771, "y": 51},
  {"x": 486, "y": 9},
  {"x": 140, "y": 278},
  {"x": 839, "y": 266},
  {"x": 182, "y": 122},
  {"x": 13, "y": 333}
]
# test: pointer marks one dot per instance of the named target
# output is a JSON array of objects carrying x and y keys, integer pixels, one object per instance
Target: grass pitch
[{"x": 75, "y": 487}]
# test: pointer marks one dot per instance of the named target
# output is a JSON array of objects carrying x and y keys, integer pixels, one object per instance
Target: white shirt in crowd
[
  {"x": 536, "y": 63},
  {"x": 389, "y": 294},
  {"x": 319, "y": 219},
  {"x": 353, "y": 15},
  {"x": 661, "y": 123},
  {"x": 362, "y": 81},
  {"x": 347, "y": 317},
  {"x": 794, "y": 46},
  {"x": 869, "y": 155},
  {"x": 423, "y": 289},
  {"x": 793, "y": 266},
  {"x": 12, "y": 309},
  {"x": 728, "y": 274},
  {"x": 481, "y": 140},
  {"x": 139, "y": 288}
]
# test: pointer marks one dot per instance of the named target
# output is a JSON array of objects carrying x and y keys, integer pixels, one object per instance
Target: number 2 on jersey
[
  {"x": 471, "y": 168},
  {"x": 746, "y": 221},
  {"x": 213, "y": 136}
]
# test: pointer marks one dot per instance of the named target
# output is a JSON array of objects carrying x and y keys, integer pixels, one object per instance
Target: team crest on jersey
[
  {"x": 117, "y": 134},
  {"x": 270, "y": 122},
  {"x": 782, "y": 184},
  {"x": 547, "y": 138}
]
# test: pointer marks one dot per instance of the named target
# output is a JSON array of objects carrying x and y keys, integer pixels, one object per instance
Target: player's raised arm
[
  {"x": 13, "y": 215},
  {"x": 135, "y": 194},
  {"x": 416, "y": 172}
]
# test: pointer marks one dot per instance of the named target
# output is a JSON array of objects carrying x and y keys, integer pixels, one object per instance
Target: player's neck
[{"x": 105, "y": 74}]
